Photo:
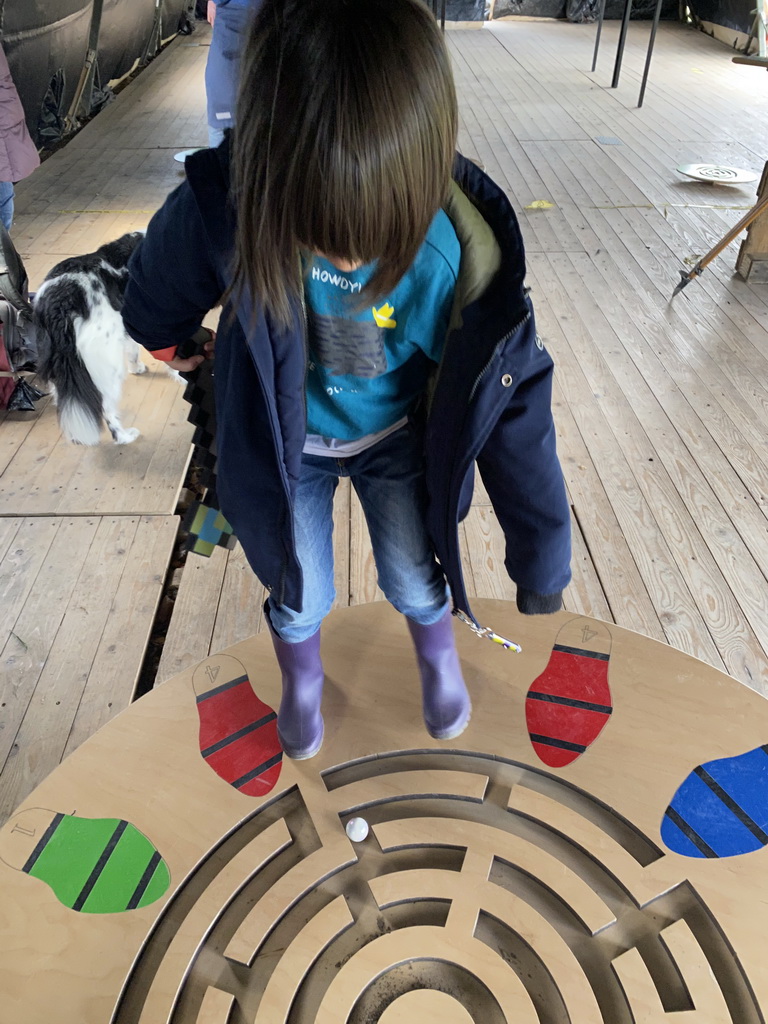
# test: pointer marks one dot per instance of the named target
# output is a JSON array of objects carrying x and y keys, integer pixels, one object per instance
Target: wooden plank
[
  {"x": 687, "y": 362},
  {"x": 24, "y": 544},
  {"x": 672, "y": 600},
  {"x": 239, "y": 612},
  {"x": 363, "y": 579},
  {"x": 76, "y": 644},
  {"x": 752, "y": 517},
  {"x": 624, "y": 586},
  {"x": 27, "y": 645},
  {"x": 735, "y": 330},
  {"x": 485, "y": 546},
  {"x": 506, "y": 162},
  {"x": 673, "y": 104},
  {"x": 19, "y": 481},
  {"x": 585, "y": 594},
  {"x": 169, "y": 459},
  {"x": 14, "y": 429},
  {"x": 111, "y": 681},
  {"x": 143, "y": 117},
  {"x": 528, "y": 112},
  {"x": 8, "y": 531},
  {"x": 755, "y": 245},
  {"x": 194, "y": 613},
  {"x": 342, "y": 542}
]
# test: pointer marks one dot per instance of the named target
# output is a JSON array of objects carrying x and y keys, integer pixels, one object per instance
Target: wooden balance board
[{"x": 589, "y": 851}]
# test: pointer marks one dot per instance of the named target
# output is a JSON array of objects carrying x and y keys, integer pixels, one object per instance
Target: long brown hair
[{"x": 343, "y": 143}]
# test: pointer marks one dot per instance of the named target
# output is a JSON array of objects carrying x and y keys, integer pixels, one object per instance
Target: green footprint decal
[{"x": 93, "y": 865}]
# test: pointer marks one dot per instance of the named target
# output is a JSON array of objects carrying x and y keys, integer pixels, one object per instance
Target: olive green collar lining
[{"x": 480, "y": 252}]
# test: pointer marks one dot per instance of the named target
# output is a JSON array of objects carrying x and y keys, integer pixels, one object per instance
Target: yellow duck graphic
[{"x": 383, "y": 316}]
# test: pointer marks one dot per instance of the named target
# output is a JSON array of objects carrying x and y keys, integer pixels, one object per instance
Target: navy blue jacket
[{"x": 490, "y": 404}]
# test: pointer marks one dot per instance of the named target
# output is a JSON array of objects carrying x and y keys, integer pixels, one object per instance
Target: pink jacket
[{"x": 18, "y": 155}]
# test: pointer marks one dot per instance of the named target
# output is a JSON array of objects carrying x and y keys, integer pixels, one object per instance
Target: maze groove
[{"x": 343, "y": 894}]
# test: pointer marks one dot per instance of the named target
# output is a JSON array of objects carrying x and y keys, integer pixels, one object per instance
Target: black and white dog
[{"x": 82, "y": 342}]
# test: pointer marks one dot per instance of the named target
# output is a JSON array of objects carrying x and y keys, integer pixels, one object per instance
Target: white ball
[{"x": 357, "y": 829}]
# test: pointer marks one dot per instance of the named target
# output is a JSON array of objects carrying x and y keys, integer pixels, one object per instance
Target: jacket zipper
[{"x": 497, "y": 346}]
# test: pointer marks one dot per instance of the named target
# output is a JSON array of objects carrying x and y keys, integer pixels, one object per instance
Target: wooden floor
[
  {"x": 87, "y": 534},
  {"x": 661, "y": 409}
]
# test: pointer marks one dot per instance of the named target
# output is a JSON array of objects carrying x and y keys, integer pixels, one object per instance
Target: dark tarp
[
  {"x": 641, "y": 9},
  {"x": 736, "y": 14},
  {"x": 124, "y": 33},
  {"x": 171, "y": 13},
  {"x": 46, "y": 41},
  {"x": 464, "y": 10},
  {"x": 47, "y": 44}
]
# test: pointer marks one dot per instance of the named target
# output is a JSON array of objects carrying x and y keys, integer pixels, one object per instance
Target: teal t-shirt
[{"x": 367, "y": 366}]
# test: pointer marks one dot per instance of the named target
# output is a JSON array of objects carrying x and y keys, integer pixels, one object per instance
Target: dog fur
[{"x": 83, "y": 345}]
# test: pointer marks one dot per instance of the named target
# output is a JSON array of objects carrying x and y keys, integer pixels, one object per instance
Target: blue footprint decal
[{"x": 721, "y": 809}]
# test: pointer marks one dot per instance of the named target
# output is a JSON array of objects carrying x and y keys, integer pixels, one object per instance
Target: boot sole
[
  {"x": 453, "y": 732},
  {"x": 301, "y": 755}
]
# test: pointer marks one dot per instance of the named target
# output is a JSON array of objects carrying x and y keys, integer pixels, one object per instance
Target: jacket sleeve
[
  {"x": 18, "y": 153},
  {"x": 173, "y": 282},
  {"x": 521, "y": 472}
]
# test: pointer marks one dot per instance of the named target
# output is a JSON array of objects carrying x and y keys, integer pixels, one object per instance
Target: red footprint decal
[
  {"x": 238, "y": 732},
  {"x": 570, "y": 702}
]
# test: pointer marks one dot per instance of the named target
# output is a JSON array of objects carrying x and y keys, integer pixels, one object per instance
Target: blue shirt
[{"x": 368, "y": 366}]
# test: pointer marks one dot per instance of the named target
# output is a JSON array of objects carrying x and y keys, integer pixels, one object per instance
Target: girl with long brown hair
[{"x": 375, "y": 326}]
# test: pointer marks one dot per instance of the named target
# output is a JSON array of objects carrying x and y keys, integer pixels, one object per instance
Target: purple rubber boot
[
  {"x": 299, "y": 722},
  {"x": 445, "y": 700}
]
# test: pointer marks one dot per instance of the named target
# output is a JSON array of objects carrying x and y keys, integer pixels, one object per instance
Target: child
[{"x": 375, "y": 326}]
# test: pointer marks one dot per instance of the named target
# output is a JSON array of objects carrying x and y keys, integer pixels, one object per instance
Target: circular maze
[
  {"x": 464, "y": 900},
  {"x": 718, "y": 173}
]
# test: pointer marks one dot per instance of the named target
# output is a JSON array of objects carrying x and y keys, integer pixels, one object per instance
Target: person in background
[
  {"x": 18, "y": 155},
  {"x": 230, "y": 20}
]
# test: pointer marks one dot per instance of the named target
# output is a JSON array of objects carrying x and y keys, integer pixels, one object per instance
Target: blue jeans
[
  {"x": 6, "y": 203},
  {"x": 389, "y": 480},
  {"x": 222, "y": 70}
]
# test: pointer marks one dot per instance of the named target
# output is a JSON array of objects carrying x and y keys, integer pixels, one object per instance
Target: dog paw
[
  {"x": 139, "y": 368},
  {"x": 126, "y": 436}
]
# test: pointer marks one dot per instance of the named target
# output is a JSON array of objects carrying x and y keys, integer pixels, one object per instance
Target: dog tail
[{"x": 79, "y": 402}]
